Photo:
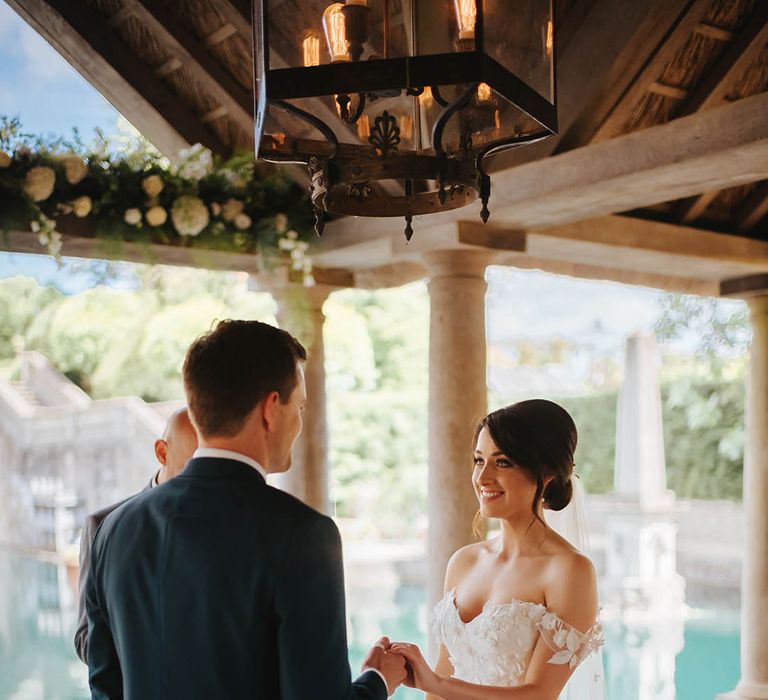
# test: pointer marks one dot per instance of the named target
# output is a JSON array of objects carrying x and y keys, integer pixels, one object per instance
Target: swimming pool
[{"x": 37, "y": 661}]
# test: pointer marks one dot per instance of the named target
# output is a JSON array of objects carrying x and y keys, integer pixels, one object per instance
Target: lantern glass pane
[
  {"x": 520, "y": 36},
  {"x": 306, "y": 33},
  {"x": 438, "y": 28}
]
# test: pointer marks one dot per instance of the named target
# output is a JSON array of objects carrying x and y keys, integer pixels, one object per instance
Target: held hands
[
  {"x": 419, "y": 673},
  {"x": 391, "y": 666}
]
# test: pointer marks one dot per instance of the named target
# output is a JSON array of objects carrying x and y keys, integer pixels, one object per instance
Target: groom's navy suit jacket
[{"x": 216, "y": 586}]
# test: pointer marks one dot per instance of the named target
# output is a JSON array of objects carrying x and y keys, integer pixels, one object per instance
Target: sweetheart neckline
[{"x": 490, "y": 608}]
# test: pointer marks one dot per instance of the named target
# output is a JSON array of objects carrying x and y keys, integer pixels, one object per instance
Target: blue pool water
[{"x": 37, "y": 662}]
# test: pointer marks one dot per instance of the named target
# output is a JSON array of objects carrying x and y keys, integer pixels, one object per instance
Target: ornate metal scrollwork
[{"x": 385, "y": 135}]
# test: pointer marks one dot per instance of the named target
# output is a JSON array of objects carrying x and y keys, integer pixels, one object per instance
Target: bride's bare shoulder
[
  {"x": 571, "y": 587},
  {"x": 461, "y": 562}
]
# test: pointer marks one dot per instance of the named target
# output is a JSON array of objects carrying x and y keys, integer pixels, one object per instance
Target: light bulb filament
[
  {"x": 466, "y": 14},
  {"x": 335, "y": 28}
]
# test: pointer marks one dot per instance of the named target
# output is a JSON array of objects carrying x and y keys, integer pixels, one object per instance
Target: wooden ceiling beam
[
  {"x": 99, "y": 54},
  {"x": 685, "y": 25},
  {"x": 719, "y": 148},
  {"x": 216, "y": 80},
  {"x": 600, "y": 51}
]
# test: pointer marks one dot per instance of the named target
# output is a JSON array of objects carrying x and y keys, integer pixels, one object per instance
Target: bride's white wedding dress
[{"x": 495, "y": 647}]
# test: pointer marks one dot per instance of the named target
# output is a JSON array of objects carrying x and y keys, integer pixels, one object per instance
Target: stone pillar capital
[
  {"x": 304, "y": 298},
  {"x": 457, "y": 263}
]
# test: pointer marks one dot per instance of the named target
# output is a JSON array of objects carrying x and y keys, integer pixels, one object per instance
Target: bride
[{"x": 520, "y": 610}]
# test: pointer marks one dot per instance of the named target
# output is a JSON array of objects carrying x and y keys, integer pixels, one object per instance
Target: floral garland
[{"x": 139, "y": 196}]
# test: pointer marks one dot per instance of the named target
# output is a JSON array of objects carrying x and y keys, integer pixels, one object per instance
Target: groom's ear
[{"x": 269, "y": 410}]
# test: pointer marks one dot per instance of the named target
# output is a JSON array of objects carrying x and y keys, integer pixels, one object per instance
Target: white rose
[
  {"x": 156, "y": 216},
  {"x": 189, "y": 215},
  {"x": 281, "y": 223},
  {"x": 39, "y": 183},
  {"x": 215, "y": 208},
  {"x": 74, "y": 169},
  {"x": 152, "y": 185},
  {"x": 243, "y": 221},
  {"x": 197, "y": 162},
  {"x": 231, "y": 209},
  {"x": 82, "y": 206},
  {"x": 5, "y": 159},
  {"x": 132, "y": 216}
]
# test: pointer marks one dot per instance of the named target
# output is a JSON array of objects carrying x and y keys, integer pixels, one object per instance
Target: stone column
[
  {"x": 754, "y": 583},
  {"x": 458, "y": 398},
  {"x": 300, "y": 311}
]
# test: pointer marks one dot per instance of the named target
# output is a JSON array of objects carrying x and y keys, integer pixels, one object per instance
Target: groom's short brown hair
[{"x": 229, "y": 370}]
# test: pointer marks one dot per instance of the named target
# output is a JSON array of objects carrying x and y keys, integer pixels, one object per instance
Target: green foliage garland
[{"x": 138, "y": 196}]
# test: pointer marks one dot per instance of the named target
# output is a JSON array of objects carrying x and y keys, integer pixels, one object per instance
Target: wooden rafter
[
  {"x": 693, "y": 208},
  {"x": 713, "y": 90},
  {"x": 237, "y": 14},
  {"x": 192, "y": 52},
  {"x": 754, "y": 209},
  {"x": 599, "y": 53},
  {"x": 731, "y": 65},
  {"x": 99, "y": 54},
  {"x": 687, "y": 22}
]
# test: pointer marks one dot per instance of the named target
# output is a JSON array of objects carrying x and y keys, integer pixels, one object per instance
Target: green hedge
[{"x": 703, "y": 437}]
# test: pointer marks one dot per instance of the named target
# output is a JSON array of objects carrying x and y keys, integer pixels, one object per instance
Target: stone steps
[{"x": 26, "y": 393}]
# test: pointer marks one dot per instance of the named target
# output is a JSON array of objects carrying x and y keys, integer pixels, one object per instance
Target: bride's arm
[
  {"x": 443, "y": 667},
  {"x": 572, "y": 597}
]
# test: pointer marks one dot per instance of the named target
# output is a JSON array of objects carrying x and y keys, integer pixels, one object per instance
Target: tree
[
  {"x": 719, "y": 329},
  {"x": 22, "y": 300}
]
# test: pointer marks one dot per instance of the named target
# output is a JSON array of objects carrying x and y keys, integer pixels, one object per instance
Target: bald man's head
[{"x": 177, "y": 445}]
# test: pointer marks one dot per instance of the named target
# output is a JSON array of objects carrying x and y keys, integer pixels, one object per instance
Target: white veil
[{"x": 588, "y": 681}]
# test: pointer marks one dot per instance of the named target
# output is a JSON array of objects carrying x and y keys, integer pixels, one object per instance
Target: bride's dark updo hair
[{"x": 540, "y": 437}]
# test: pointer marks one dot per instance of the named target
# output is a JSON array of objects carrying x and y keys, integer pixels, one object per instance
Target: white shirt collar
[{"x": 229, "y": 454}]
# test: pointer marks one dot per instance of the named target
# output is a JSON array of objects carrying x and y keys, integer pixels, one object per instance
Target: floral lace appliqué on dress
[{"x": 495, "y": 647}]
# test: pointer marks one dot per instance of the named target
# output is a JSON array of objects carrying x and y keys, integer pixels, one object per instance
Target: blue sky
[
  {"x": 41, "y": 88},
  {"x": 49, "y": 96}
]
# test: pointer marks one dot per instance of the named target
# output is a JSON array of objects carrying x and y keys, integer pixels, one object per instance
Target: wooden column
[
  {"x": 754, "y": 582},
  {"x": 458, "y": 398},
  {"x": 300, "y": 311}
]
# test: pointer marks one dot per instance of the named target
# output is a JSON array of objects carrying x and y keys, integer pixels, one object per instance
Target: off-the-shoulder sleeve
[{"x": 570, "y": 646}]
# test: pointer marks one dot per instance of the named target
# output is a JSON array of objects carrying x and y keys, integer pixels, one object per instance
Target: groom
[{"x": 216, "y": 585}]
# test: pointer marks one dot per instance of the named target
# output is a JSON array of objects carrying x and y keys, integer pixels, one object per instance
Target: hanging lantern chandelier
[{"x": 396, "y": 105}]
